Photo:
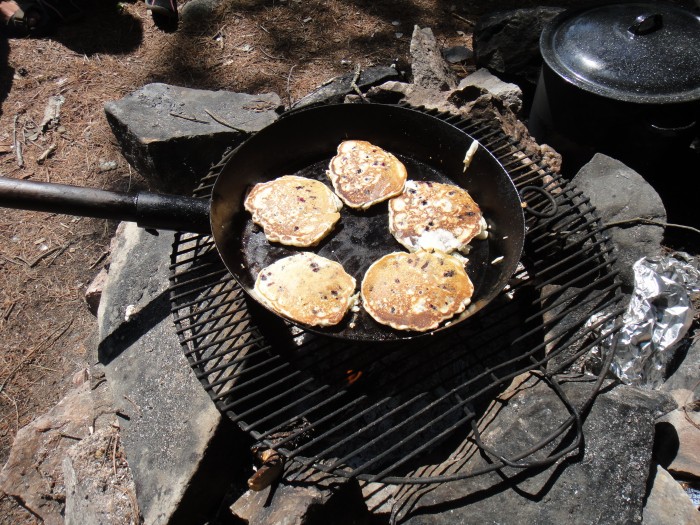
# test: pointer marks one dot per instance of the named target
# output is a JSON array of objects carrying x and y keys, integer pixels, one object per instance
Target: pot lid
[{"x": 646, "y": 52}]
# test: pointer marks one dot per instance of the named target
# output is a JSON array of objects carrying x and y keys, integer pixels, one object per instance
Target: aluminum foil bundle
[{"x": 658, "y": 316}]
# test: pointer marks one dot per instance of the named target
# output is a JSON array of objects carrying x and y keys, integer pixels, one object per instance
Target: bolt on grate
[{"x": 373, "y": 411}]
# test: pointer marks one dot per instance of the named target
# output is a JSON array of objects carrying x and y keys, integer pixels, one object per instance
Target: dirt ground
[{"x": 48, "y": 260}]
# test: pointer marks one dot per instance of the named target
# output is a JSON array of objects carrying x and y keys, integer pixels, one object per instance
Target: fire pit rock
[
  {"x": 678, "y": 439},
  {"x": 621, "y": 196},
  {"x": 172, "y": 135},
  {"x": 605, "y": 484},
  {"x": 429, "y": 68},
  {"x": 507, "y": 42},
  {"x": 182, "y": 455}
]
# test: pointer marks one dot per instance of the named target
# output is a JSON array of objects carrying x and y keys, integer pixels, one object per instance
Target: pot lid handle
[{"x": 645, "y": 24}]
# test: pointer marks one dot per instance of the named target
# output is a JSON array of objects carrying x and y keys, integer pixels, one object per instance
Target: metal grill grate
[{"x": 373, "y": 412}]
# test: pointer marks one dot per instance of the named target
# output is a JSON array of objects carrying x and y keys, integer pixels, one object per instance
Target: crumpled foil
[{"x": 658, "y": 316}]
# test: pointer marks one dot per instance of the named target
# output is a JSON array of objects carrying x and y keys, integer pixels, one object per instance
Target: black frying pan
[{"x": 303, "y": 143}]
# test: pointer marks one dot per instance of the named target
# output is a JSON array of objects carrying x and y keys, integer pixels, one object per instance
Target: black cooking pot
[{"x": 622, "y": 79}]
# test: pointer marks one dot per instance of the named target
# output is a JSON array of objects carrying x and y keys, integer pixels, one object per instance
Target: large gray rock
[
  {"x": 169, "y": 135},
  {"x": 668, "y": 503},
  {"x": 428, "y": 67},
  {"x": 171, "y": 429},
  {"x": 606, "y": 484},
  {"x": 334, "y": 91},
  {"x": 507, "y": 42},
  {"x": 619, "y": 194}
]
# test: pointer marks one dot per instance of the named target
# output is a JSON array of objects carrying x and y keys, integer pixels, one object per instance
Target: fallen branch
[
  {"x": 8, "y": 310},
  {"x": 353, "y": 84},
  {"x": 60, "y": 250},
  {"x": 17, "y": 143},
  {"x": 650, "y": 221},
  {"x": 114, "y": 454},
  {"x": 465, "y": 20},
  {"x": 289, "y": 80},
  {"x": 45, "y": 155},
  {"x": 99, "y": 259}
]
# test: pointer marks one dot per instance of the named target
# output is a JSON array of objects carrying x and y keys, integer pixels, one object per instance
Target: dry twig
[
  {"x": 650, "y": 221},
  {"x": 289, "y": 80},
  {"x": 17, "y": 143},
  {"x": 465, "y": 20},
  {"x": 45, "y": 154},
  {"x": 353, "y": 84},
  {"x": 223, "y": 122},
  {"x": 99, "y": 259},
  {"x": 186, "y": 117},
  {"x": 114, "y": 454}
]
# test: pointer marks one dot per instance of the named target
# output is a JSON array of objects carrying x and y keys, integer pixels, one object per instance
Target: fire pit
[{"x": 375, "y": 412}]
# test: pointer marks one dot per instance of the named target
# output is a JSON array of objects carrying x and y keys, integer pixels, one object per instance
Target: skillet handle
[{"x": 149, "y": 210}]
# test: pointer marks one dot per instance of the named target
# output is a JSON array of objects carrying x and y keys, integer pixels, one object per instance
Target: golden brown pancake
[
  {"x": 434, "y": 216},
  {"x": 416, "y": 291},
  {"x": 293, "y": 210},
  {"x": 364, "y": 174},
  {"x": 307, "y": 288}
]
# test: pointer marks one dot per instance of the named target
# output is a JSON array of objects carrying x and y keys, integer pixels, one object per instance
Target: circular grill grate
[{"x": 375, "y": 412}]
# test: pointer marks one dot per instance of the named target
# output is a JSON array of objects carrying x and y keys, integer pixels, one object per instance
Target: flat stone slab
[
  {"x": 606, "y": 484},
  {"x": 169, "y": 423},
  {"x": 172, "y": 135}
]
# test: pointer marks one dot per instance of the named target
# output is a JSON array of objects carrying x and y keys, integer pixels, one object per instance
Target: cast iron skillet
[{"x": 303, "y": 143}]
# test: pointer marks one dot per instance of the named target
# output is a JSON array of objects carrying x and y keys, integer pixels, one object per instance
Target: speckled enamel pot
[{"x": 619, "y": 78}]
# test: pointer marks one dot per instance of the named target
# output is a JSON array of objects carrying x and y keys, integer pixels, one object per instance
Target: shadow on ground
[
  {"x": 107, "y": 29},
  {"x": 7, "y": 73}
]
